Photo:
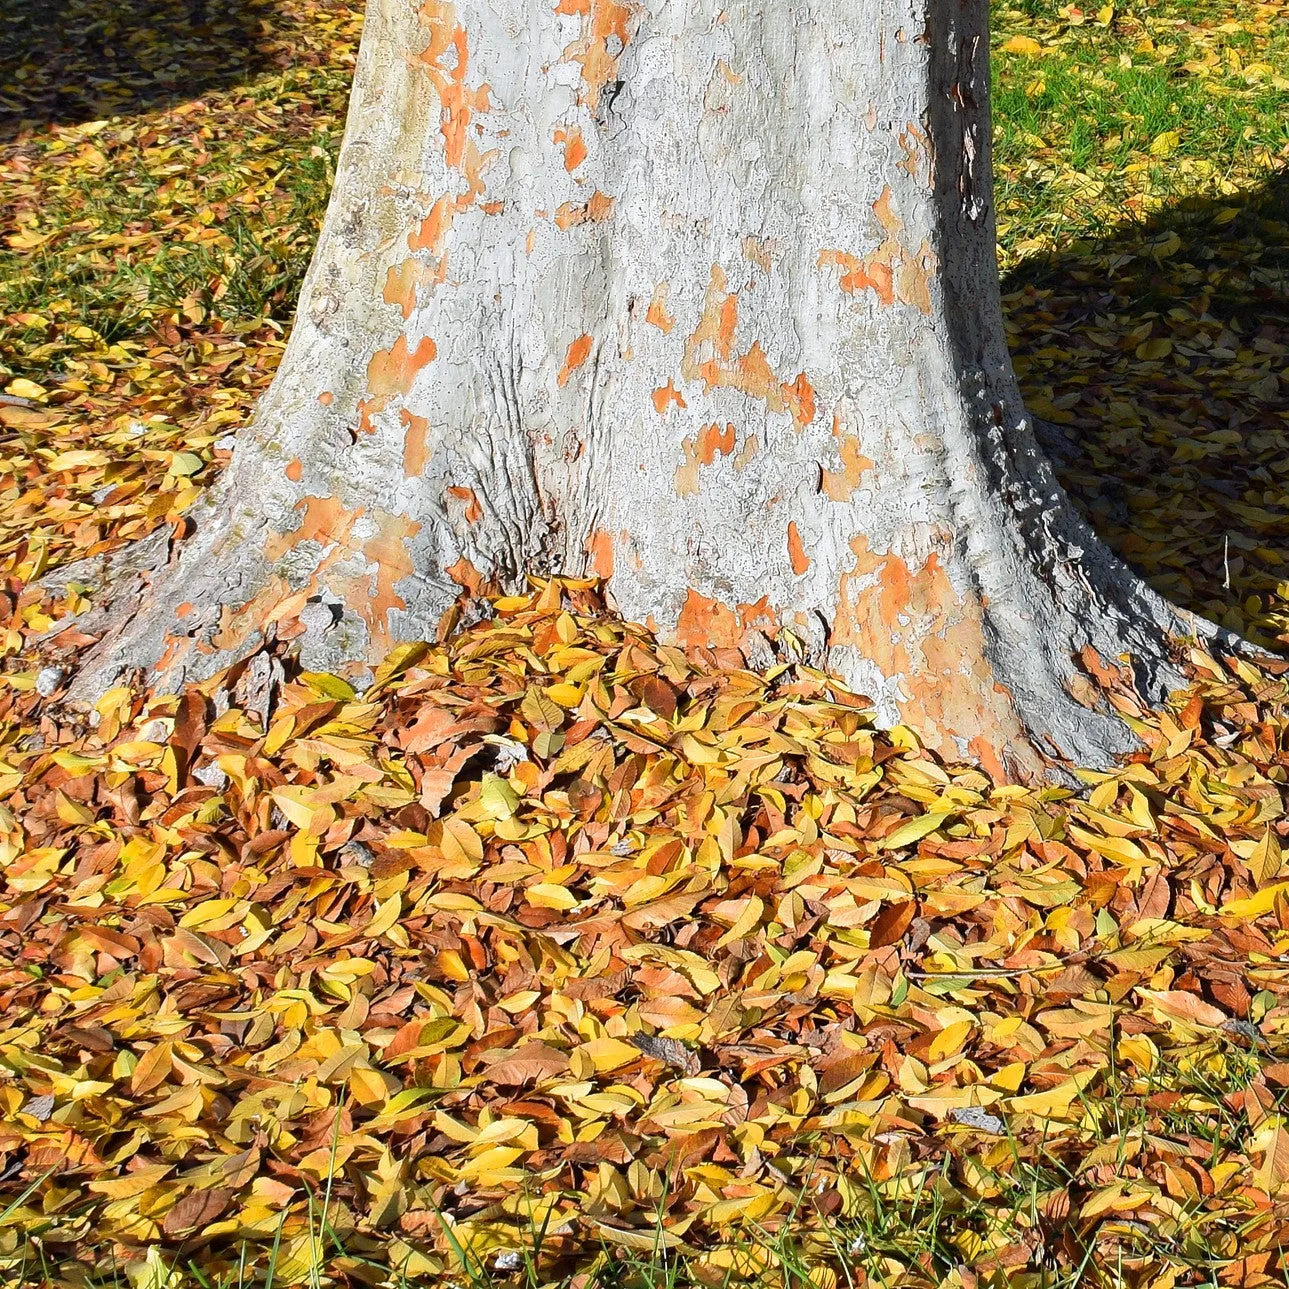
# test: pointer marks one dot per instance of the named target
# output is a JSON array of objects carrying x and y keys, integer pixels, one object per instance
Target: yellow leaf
[
  {"x": 1272, "y": 1141},
  {"x": 367, "y": 1086},
  {"x": 397, "y": 661},
  {"x": 1256, "y": 905},
  {"x": 1054, "y": 1102},
  {"x": 1025, "y": 45},
  {"x": 609, "y": 1054},
  {"x": 384, "y": 917},
  {"x": 1119, "y": 849},
  {"x": 322, "y": 682},
  {"x": 78, "y": 459},
  {"x": 565, "y": 695},
  {"x": 77, "y": 766},
  {"x": 132, "y": 1183},
  {"x": 497, "y": 797},
  {"x": 1265, "y": 862},
  {"x": 540, "y": 712},
  {"x": 185, "y": 463},
  {"x": 907, "y": 833},
  {"x": 153, "y": 1068},
  {"x": 207, "y": 911},
  {"x": 297, "y": 811},
  {"x": 1165, "y": 144},
  {"x": 1151, "y": 350},
  {"x": 492, "y": 1160},
  {"x": 746, "y": 922},
  {"x": 21, "y": 387},
  {"x": 949, "y": 1040},
  {"x": 461, "y": 844},
  {"x": 544, "y": 895}
]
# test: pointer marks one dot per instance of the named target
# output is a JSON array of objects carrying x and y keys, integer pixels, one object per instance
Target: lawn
[{"x": 562, "y": 957}]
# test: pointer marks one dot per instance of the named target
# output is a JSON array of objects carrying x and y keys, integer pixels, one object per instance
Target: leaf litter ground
[
  {"x": 557, "y": 939},
  {"x": 558, "y": 955}
]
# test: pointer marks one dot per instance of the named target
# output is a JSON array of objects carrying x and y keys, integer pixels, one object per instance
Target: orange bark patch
[
  {"x": 796, "y": 551},
  {"x": 719, "y": 319},
  {"x": 294, "y": 470},
  {"x": 750, "y": 449},
  {"x": 595, "y": 211},
  {"x": 892, "y": 272},
  {"x": 657, "y": 314},
  {"x": 392, "y": 371},
  {"x": 800, "y": 398},
  {"x": 987, "y": 755},
  {"x": 325, "y": 521},
  {"x": 604, "y": 37},
  {"x": 917, "y": 147},
  {"x": 428, "y": 235},
  {"x": 687, "y": 472},
  {"x": 473, "y": 510},
  {"x": 574, "y": 147},
  {"x": 402, "y": 282},
  {"x": 861, "y": 275},
  {"x": 464, "y": 574},
  {"x": 840, "y": 485},
  {"x": 388, "y": 552},
  {"x": 663, "y": 398},
  {"x": 750, "y": 374},
  {"x": 712, "y": 439},
  {"x": 416, "y": 449},
  {"x": 599, "y": 547},
  {"x": 917, "y": 629},
  {"x": 326, "y": 398},
  {"x": 711, "y": 623},
  {"x": 578, "y": 352},
  {"x": 757, "y": 252},
  {"x": 699, "y": 451},
  {"x": 446, "y": 61},
  {"x": 237, "y": 623},
  {"x": 709, "y": 357}
]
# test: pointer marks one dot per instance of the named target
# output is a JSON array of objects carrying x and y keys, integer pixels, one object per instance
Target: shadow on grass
[
  {"x": 66, "y": 62},
  {"x": 1157, "y": 361}
]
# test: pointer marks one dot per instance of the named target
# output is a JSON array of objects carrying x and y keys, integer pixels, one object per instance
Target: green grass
[
  {"x": 1111, "y": 120},
  {"x": 172, "y": 210}
]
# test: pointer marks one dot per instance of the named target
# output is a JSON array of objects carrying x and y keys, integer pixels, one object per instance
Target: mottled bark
[{"x": 700, "y": 297}]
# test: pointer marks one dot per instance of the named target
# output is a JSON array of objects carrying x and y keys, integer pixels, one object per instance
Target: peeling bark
[{"x": 699, "y": 298}]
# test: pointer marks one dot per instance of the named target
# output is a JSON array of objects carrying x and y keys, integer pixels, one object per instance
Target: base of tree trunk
[
  {"x": 1020, "y": 680},
  {"x": 701, "y": 300}
]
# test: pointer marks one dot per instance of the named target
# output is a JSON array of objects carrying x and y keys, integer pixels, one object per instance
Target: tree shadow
[
  {"x": 1156, "y": 360},
  {"x": 66, "y": 62}
]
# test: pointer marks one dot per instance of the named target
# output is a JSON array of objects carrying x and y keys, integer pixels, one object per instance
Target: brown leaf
[
  {"x": 527, "y": 1064},
  {"x": 197, "y": 1210},
  {"x": 891, "y": 923}
]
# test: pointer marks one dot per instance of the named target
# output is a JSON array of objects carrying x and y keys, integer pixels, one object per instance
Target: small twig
[
  {"x": 983, "y": 973},
  {"x": 12, "y": 400},
  {"x": 1226, "y": 561}
]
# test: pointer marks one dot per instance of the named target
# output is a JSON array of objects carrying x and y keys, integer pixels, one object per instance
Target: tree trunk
[{"x": 700, "y": 298}]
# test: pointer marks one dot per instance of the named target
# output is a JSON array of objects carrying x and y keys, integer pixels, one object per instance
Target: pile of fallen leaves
[{"x": 557, "y": 946}]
